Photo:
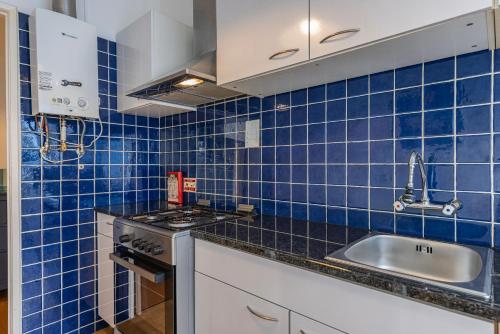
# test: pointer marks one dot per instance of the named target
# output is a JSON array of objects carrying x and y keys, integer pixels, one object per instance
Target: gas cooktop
[{"x": 183, "y": 218}]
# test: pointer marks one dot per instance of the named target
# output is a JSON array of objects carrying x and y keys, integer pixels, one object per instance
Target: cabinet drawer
[
  {"x": 302, "y": 325},
  {"x": 223, "y": 309},
  {"x": 105, "y": 224}
]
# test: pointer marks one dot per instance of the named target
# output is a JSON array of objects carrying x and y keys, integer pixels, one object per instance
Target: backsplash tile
[
  {"x": 58, "y": 237},
  {"x": 339, "y": 152}
]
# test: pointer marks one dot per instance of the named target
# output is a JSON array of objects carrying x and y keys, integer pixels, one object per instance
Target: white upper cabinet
[
  {"x": 318, "y": 41},
  {"x": 258, "y": 36},
  {"x": 338, "y": 25}
]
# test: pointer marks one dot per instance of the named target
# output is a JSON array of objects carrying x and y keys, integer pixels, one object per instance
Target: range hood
[{"x": 195, "y": 82}]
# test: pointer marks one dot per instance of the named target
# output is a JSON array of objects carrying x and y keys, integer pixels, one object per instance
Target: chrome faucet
[{"x": 409, "y": 200}]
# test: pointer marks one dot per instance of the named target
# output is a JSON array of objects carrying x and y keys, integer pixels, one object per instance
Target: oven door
[{"x": 154, "y": 295}]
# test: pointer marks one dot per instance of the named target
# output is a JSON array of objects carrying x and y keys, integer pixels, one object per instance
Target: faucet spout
[
  {"x": 416, "y": 158},
  {"x": 409, "y": 200}
]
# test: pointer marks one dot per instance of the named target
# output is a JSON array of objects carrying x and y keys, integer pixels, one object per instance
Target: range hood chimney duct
[
  {"x": 205, "y": 26},
  {"x": 66, "y": 7}
]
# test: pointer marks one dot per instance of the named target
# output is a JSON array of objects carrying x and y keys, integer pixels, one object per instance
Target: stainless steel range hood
[{"x": 195, "y": 82}]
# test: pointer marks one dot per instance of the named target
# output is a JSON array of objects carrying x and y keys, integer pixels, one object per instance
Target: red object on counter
[{"x": 174, "y": 187}]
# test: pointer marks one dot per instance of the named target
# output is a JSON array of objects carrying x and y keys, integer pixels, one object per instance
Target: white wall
[
  {"x": 111, "y": 16},
  {"x": 27, "y": 6}
]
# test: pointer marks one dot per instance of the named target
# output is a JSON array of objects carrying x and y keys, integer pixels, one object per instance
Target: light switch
[{"x": 252, "y": 133}]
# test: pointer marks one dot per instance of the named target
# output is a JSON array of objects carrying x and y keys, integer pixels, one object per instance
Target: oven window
[{"x": 153, "y": 297}]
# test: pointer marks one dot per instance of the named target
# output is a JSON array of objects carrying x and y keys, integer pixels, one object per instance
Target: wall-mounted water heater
[
  {"x": 64, "y": 83},
  {"x": 64, "y": 65}
]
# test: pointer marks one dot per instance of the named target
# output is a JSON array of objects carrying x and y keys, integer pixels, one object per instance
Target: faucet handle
[
  {"x": 408, "y": 196},
  {"x": 451, "y": 208}
]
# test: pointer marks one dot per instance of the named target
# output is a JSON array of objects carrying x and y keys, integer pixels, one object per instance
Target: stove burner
[
  {"x": 181, "y": 223},
  {"x": 167, "y": 213},
  {"x": 183, "y": 218}
]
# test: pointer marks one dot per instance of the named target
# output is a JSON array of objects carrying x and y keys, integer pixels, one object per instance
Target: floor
[
  {"x": 3, "y": 312},
  {"x": 108, "y": 330}
]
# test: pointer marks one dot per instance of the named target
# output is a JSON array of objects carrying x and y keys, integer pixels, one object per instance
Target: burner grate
[{"x": 183, "y": 218}]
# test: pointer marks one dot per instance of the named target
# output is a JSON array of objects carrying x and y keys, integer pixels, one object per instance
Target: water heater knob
[{"x": 82, "y": 103}]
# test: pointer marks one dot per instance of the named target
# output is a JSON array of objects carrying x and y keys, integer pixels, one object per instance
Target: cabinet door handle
[
  {"x": 339, "y": 33},
  {"x": 301, "y": 331},
  {"x": 262, "y": 316},
  {"x": 288, "y": 52}
]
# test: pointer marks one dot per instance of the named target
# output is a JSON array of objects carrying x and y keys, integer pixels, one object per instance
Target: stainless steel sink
[{"x": 462, "y": 268}]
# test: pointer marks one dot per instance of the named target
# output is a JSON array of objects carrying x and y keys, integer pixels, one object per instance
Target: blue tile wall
[
  {"x": 58, "y": 229},
  {"x": 338, "y": 152}
]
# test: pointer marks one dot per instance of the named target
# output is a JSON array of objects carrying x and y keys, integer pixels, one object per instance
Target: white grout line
[
  {"x": 422, "y": 138},
  {"x": 492, "y": 149},
  {"x": 346, "y": 145},
  {"x": 369, "y": 188},
  {"x": 455, "y": 94},
  {"x": 394, "y": 145}
]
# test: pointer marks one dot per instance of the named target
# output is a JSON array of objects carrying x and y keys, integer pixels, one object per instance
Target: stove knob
[
  {"x": 148, "y": 248},
  {"x": 157, "y": 250},
  {"x": 136, "y": 242},
  {"x": 142, "y": 245},
  {"x": 124, "y": 238}
]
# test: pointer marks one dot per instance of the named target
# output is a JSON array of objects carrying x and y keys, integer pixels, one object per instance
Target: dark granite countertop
[
  {"x": 127, "y": 209},
  {"x": 305, "y": 244}
]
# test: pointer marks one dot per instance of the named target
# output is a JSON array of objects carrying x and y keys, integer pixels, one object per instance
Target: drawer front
[
  {"x": 223, "y": 309},
  {"x": 302, "y": 325},
  {"x": 105, "y": 224}
]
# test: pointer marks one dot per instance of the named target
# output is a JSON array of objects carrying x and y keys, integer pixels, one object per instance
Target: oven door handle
[{"x": 155, "y": 277}]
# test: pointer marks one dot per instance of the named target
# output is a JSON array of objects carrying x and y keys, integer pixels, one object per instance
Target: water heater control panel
[{"x": 64, "y": 61}]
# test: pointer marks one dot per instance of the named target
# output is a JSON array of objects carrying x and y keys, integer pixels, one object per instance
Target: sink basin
[{"x": 462, "y": 268}]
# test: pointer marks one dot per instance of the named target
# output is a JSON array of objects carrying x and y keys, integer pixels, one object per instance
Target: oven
[
  {"x": 154, "y": 295},
  {"x": 162, "y": 286}
]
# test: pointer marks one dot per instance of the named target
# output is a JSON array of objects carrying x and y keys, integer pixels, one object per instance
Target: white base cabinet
[
  {"x": 105, "y": 269},
  {"x": 302, "y": 325},
  {"x": 336, "y": 306},
  {"x": 223, "y": 309}
]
